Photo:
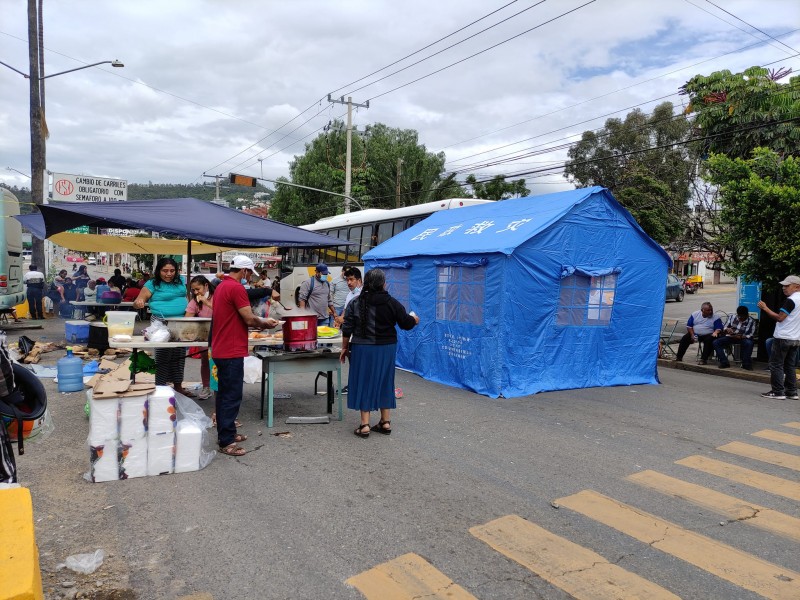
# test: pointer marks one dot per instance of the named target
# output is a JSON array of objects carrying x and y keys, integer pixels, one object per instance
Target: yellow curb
[{"x": 20, "y": 577}]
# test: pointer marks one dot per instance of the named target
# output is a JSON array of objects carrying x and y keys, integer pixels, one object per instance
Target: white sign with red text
[{"x": 86, "y": 188}]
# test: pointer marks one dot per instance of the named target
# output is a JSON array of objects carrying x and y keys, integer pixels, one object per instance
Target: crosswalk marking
[
  {"x": 773, "y": 457},
  {"x": 573, "y": 568},
  {"x": 793, "y": 424},
  {"x": 406, "y": 577},
  {"x": 729, "y": 506},
  {"x": 730, "y": 564},
  {"x": 755, "y": 479},
  {"x": 778, "y": 436}
]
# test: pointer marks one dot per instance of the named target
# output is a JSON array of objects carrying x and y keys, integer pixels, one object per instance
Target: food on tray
[
  {"x": 256, "y": 335},
  {"x": 324, "y": 331}
]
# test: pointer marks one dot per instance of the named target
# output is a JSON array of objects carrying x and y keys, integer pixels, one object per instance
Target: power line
[
  {"x": 749, "y": 25},
  {"x": 483, "y": 51}
]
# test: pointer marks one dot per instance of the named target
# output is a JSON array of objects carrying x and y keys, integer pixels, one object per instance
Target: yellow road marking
[
  {"x": 406, "y": 577},
  {"x": 793, "y": 424},
  {"x": 773, "y": 457},
  {"x": 761, "y": 481},
  {"x": 730, "y": 564},
  {"x": 573, "y": 568},
  {"x": 729, "y": 506},
  {"x": 778, "y": 436}
]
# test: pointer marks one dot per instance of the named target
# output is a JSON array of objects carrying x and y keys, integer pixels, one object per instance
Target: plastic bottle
[{"x": 70, "y": 373}]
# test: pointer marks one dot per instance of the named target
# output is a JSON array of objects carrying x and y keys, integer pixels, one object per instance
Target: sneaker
[
  {"x": 724, "y": 366},
  {"x": 204, "y": 394},
  {"x": 792, "y": 396},
  {"x": 703, "y": 362},
  {"x": 773, "y": 395},
  {"x": 343, "y": 391}
]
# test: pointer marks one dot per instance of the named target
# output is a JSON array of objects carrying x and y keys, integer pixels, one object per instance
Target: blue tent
[{"x": 549, "y": 292}]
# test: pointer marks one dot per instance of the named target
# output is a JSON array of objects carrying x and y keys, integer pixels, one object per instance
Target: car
[
  {"x": 674, "y": 288},
  {"x": 27, "y": 255},
  {"x": 92, "y": 260}
]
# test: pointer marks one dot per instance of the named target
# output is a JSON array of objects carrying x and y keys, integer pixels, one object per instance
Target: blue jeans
[
  {"x": 722, "y": 342},
  {"x": 782, "y": 366},
  {"x": 230, "y": 375},
  {"x": 324, "y": 321}
]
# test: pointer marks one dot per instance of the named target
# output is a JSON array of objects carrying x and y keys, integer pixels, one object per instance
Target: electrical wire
[{"x": 750, "y": 25}]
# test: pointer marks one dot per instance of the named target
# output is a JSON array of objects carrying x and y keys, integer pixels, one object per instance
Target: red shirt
[
  {"x": 229, "y": 331},
  {"x": 131, "y": 294}
]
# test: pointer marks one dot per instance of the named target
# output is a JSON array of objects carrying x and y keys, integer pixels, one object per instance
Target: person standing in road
[
  {"x": 315, "y": 294},
  {"x": 786, "y": 339},
  {"x": 232, "y": 317},
  {"x": 34, "y": 280},
  {"x": 371, "y": 319},
  {"x": 339, "y": 291},
  {"x": 354, "y": 283},
  {"x": 701, "y": 327}
]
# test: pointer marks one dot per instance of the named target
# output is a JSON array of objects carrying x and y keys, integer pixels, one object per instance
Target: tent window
[
  {"x": 397, "y": 285},
  {"x": 586, "y": 300},
  {"x": 460, "y": 294}
]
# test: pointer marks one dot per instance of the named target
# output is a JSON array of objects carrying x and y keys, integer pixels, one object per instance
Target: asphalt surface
[{"x": 305, "y": 511}]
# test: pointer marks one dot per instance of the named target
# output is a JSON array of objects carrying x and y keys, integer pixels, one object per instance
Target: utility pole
[
  {"x": 38, "y": 153},
  {"x": 399, "y": 173},
  {"x": 349, "y": 159}
]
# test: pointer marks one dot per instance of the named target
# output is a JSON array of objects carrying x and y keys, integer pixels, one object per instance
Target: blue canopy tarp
[{"x": 186, "y": 218}]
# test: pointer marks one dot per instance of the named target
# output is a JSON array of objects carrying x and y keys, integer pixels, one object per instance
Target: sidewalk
[{"x": 758, "y": 374}]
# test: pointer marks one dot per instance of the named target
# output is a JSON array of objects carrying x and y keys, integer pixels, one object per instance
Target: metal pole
[
  {"x": 399, "y": 173},
  {"x": 348, "y": 177}
]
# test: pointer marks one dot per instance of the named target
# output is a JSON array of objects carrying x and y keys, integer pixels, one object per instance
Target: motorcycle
[{"x": 689, "y": 287}]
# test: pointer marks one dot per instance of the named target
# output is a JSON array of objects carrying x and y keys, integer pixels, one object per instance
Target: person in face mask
[{"x": 201, "y": 305}]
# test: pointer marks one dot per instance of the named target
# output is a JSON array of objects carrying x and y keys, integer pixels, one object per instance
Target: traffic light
[{"x": 243, "y": 180}]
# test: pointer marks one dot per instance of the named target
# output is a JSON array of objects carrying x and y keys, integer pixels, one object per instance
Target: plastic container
[
  {"x": 119, "y": 322},
  {"x": 76, "y": 332},
  {"x": 70, "y": 373}
]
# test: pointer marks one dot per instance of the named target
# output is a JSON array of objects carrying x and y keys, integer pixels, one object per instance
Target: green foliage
[
  {"x": 498, "y": 188},
  {"x": 626, "y": 157},
  {"x": 725, "y": 103},
  {"x": 760, "y": 204},
  {"x": 375, "y": 155}
]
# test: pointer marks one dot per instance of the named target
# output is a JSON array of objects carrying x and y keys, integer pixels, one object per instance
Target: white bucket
[{"x": 119, "y": 322}]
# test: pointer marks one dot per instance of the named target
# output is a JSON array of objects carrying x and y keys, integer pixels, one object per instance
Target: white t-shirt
[{"x": 789, "y": 328}]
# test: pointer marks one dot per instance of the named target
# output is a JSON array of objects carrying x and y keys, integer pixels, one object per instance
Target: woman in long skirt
[{"x": 369, "y": 338}]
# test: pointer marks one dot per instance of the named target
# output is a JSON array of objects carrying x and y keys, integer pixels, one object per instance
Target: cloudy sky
[{"x": 212, "y": 86}]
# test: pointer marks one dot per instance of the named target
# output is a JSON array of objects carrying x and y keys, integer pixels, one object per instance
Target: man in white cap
[
  {"x": 786, "y": 339},
  {"x": 232, "y": 317}
]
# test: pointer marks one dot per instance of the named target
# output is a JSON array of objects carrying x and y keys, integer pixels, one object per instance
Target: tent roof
[
  {"x": 496, "y": 227},
  {"x": 187, "y": 218}
]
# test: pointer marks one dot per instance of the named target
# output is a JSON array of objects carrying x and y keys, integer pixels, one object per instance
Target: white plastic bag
[
  {"x": 190, "y": 411},
  {"x": 86, "y": 563},
  {"x": 252, "y": 369},
  {"x": 157, "y": 332}
]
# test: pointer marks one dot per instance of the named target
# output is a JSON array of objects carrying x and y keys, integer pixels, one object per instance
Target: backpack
[
  {"x": 311, "y": 288},
  {"x": 22, "y": 397}
]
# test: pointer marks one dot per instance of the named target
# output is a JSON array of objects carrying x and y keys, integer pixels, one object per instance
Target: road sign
[
  {"x": 85, "y": 188},
  {"x": 244, "y": 180},
  {"x": 80, "y": 229}
]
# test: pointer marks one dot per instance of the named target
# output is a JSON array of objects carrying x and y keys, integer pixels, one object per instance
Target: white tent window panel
[
  {"x": 460, "y": 294},
  {"x": 397, "y": 285},
  {"x": 586, "y": 300}
]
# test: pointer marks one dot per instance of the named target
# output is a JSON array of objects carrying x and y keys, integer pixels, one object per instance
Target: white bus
[
  {"x": 12, "y": 290},
  {"x": 367, "y": 228}
]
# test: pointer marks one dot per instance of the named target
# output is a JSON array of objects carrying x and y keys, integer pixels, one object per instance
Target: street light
[
  {"x": 18, "y": 171},
  {"x": 36, "y": 100}
]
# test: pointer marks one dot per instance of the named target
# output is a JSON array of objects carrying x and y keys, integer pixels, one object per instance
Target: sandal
[
  {"x": 380, "y": 427},
  {"x": 240, "y": 437},
  {"x": 233, "y": 450},
  {"x": 359, "y": 431}
]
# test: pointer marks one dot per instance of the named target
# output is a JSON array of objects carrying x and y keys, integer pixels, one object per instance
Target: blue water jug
[{"x": 70, "y": 373}]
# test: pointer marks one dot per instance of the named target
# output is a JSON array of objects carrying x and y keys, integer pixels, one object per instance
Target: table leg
[
  {"x": 330, "y": 392},
  {"x": 339, "y": 390},
  {"x": 262, "y": 388},
  {"x": 134, "y": 362},
  {"x": 270, "y": 392}
]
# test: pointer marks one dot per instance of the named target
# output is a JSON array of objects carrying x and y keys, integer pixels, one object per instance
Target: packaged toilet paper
[
  {"x": 132, "y": 417},
  {"x": 160, "y": 453},
  {"x": 103, "y": 418},
  {"x": 161, "y": 413},
  {"x": 133, "y": 458},
  {"x": 188, "y": 446},
  {"x": 103, "y": 460}
]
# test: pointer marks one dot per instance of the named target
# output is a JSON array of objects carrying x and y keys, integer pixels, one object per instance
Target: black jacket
[{"x": 382, "y": 313}]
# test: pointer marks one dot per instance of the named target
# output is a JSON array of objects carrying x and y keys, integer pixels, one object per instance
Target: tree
[
  {"x": 497, "y": 188},
  {"x": 759, "y": 201},
  {"x": 738, "y": 111},
  {"x": 642, "y": 162},
  {"x": 374, "y": 174}
]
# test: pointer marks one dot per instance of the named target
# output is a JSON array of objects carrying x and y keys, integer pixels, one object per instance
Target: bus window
[
  {"x": 362, "y": 236},
  {"x": 388, "y": 230},
  {"x": 413, "y": 221}
]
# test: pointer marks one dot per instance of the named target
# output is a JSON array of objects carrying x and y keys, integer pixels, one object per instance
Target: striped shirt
[{"x": 745, "y": 328}]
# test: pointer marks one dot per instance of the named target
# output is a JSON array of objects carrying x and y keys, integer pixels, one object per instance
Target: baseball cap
[
  {"x": 791, "y": 279},
  {"x": 322, "y": 268},
  {"x": 242, "y": 262}
]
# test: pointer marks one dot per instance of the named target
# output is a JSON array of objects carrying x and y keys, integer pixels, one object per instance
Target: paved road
[{"x": 690, "y": 486}]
